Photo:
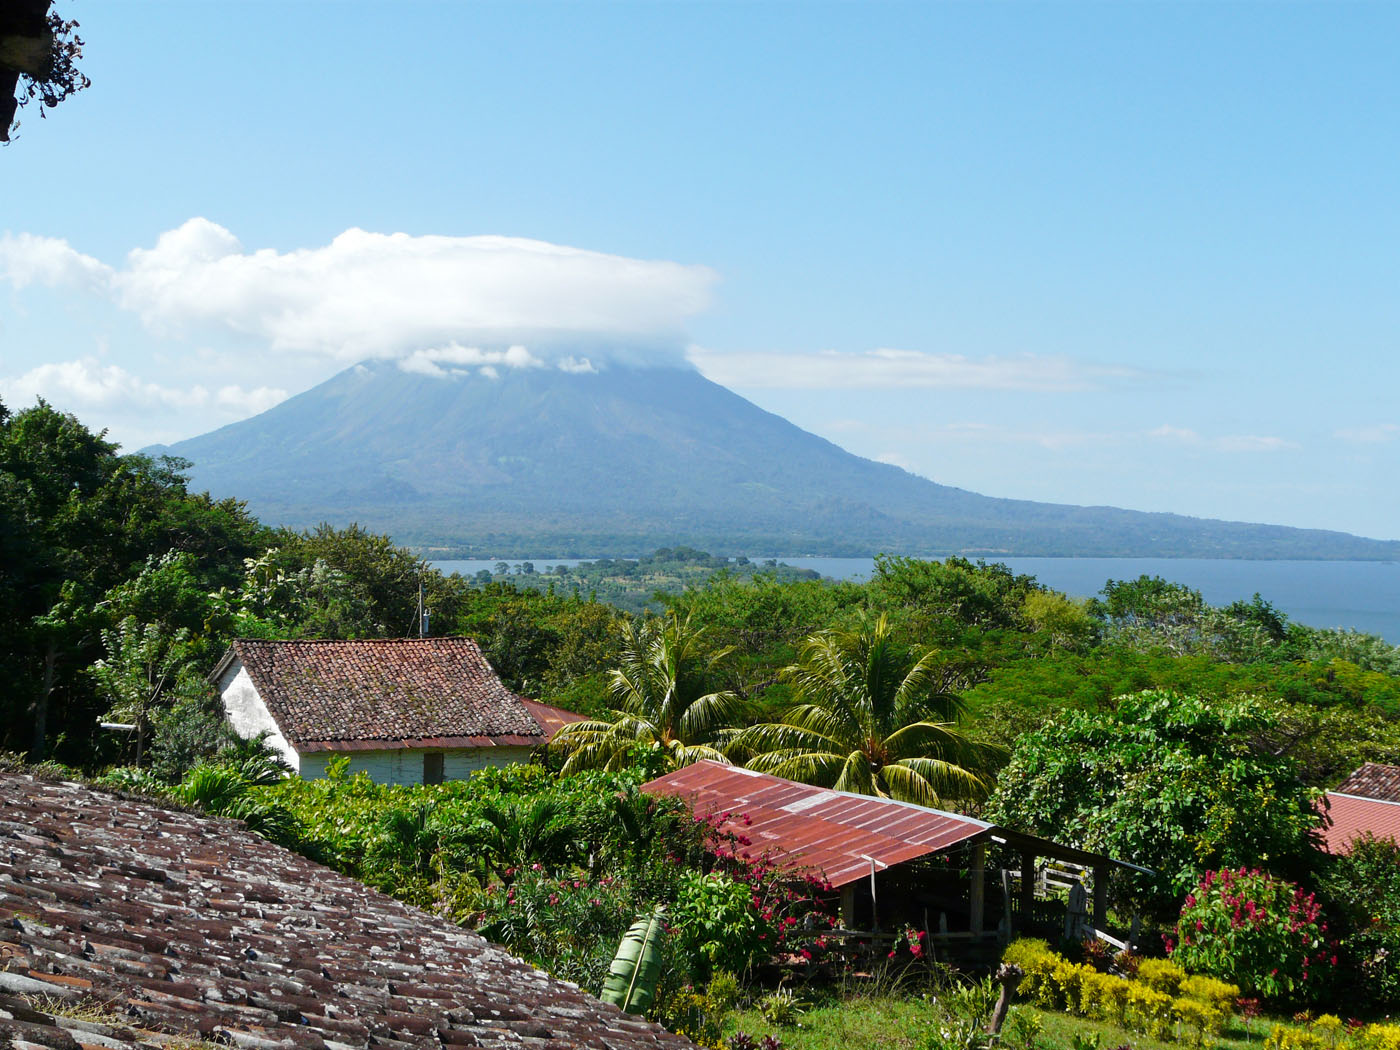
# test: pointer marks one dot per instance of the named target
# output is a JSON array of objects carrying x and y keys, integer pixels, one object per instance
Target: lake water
[{"x": 1361, "y": 595}]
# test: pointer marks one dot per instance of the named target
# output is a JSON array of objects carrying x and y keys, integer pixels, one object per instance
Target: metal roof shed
[{"x": 848, "y": 838}]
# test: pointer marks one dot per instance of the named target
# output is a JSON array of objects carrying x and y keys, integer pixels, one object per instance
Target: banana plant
[{"x": 636, "y": 968}]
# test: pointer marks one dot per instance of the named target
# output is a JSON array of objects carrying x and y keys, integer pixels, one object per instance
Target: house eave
[{"x": 429, "y": 743}]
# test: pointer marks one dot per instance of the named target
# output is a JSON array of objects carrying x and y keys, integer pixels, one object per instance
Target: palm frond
[
  {"x": 820, "y": 768},
  {"x": 857, "y": 776},
  {"x": 781, "y": 736},
  {"x": 947, "y": 780}
]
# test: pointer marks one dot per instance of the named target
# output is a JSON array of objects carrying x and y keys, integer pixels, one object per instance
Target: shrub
[
  {"x": 1037, "y": 962},
  {"x": 1197, "y": 1019},
  {"x": 1068, "y": 980},
  {"x": 1161, "y": 975},
  {"x": 1379, "y": 1037},
  {"x": 716, "y": 920},
  {"x": 1262, "y": 933},
  {"x": 1148, "y": 1011},
  {"x": 1215, "y": 993},
  {"x": 1104, "y": 997},
  {"x": 1362, "y": 888}
]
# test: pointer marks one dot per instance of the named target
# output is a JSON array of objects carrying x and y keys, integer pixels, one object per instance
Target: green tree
[
  {"x": 1175, "y": 783},
  {"x": 873, "y": 717},
  {"x": 146, "y": 667},
  {"x": 79, "y": 520},
  {"x": 665, "y": 697}
]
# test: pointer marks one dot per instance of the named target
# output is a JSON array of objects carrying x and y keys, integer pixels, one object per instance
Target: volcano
[{"x": 535, "y": 462}]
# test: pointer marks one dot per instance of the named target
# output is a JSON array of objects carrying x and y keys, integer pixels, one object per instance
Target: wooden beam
[
  {"x": 978, "y": 895},
  {"x": 848, "y": 906}
]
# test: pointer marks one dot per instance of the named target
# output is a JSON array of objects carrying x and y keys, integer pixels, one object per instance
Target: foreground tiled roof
[
  {"x": 175, "y": 924},
  {"x": 397, "y": 692},
  {"x": 1373, "y": 780},
  {"x": 1350, "y": 817}
]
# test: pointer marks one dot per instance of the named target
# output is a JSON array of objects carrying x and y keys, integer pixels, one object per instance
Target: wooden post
[
  {"x": 978, "y": 898},
  {"x": 1027, "y": 889},
  {"x": 1100, "y": 896},
  {"x": 1006, "y": 920},
  {"x": 848, "y": 906}
]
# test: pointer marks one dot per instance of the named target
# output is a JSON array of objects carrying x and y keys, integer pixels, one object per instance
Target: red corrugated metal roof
[
  {"x": 1350, "y": 817},
  {"x": 833, "y": 833}
]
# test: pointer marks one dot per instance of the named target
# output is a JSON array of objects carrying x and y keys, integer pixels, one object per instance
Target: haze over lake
[{"x": 1360, "y": 595}]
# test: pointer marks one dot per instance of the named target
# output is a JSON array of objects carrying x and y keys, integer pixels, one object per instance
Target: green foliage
[
  {"x": 221, "y": 792},
  {"x": 871, "y": 716},
  {"x": 77, "y": 520},
  {"x": 1262, "y": 933},
  {"x": 954, "y": 589},
  {"x": 1362, "y": 890},
  {"x": 649, "y": 583},
  {"x": 717, "y": 922},
  {"x": 665, "y": 699},
  {"x": 1167, "y": 781},
  {"x": 781, "y": 1006}
]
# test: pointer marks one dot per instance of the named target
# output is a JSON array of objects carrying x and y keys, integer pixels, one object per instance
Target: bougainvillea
[{"x": 1263, "y": 933}]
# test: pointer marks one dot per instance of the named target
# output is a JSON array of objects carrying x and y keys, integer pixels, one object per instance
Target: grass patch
[
  {"x": 877, "y": 1021},
  {"x": 904, "y": 1022}
]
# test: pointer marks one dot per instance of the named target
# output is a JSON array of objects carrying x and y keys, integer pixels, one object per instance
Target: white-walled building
[{"x": 405, "y": 711}]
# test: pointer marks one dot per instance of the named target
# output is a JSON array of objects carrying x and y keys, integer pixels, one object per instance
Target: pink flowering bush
[{"x": 1262, "y": 933}]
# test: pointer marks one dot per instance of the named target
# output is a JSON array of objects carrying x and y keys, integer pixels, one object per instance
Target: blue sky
[{"x": 1144, "y": 255}]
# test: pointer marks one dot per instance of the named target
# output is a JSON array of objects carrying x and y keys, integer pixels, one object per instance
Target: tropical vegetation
[{"x": 1192, "y": 739}]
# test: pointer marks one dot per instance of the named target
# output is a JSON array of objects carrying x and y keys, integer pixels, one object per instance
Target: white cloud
[
  {"x": 1253, "y": 443},
  {"x": 894, "y": 459},
  {"x": 901, "y": 369},
  {"x": 1185, "y": 435},
  {"x": 1375, "y": 434},
  {"x": 577, "y": 366},
  {"x": 249, "y": 402},
  {"x": 26, "y": 259},
  {"x": 136, "y": 410},
  {"x": 462, "y": 360},
  {"x": 89, "y": 384},
  {"x": 388, "y": 295},
  {"x": 1224, "y": 443}
]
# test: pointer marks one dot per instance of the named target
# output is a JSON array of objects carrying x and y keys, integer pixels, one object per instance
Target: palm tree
[
  {"x": 872, "y": 717},
  {"x": 663, "y": 697}
]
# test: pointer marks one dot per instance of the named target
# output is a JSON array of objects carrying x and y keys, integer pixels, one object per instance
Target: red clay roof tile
[
  {"x": 1373, "y": 780},
  {"x": 328, "y": 695},
  {"x": 304, "y": 958}
]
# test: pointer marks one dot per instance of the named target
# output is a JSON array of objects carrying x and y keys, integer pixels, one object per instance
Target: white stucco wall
[
  {"x": 405, "y": 765},
  {"x": 247, "y": 713}
]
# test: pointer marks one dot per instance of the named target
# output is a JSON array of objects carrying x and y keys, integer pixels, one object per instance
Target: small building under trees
[
  {"x": 897, "y": 865},
  {"x": 405, "y": 711}
]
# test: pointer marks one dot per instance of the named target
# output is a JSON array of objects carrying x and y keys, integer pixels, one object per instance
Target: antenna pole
[{"x": 422, "y": 615}]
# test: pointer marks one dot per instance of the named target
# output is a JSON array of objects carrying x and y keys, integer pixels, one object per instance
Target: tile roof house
[
  {"x": 405, "y": 711},
  {"x": 128, "y": 926},
  {"x": 1373, "y": 780},
  {"x": 1368, "y": 801}
]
